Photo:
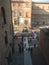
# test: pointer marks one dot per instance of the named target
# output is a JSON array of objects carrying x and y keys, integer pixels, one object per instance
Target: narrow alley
[
  {"x": 24, "y": 32},
  {"x": 27, "y": 58},
  {"x": 17, "y": 58}
]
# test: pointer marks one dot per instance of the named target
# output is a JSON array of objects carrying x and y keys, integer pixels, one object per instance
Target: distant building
[
  {"x": 40, "y": 14},
  {"x": 6, "y": 32},
  {"x": 26, "y": 13},
  {"x": 21, "y": 14}
]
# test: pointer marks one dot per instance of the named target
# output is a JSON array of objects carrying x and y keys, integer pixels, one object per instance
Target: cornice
[{"x": 41, "y": 2}]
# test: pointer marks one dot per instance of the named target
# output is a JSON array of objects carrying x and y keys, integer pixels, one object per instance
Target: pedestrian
[
  {"x": 34, "y": 45},
  {"x": 19, "y": 48},
  {"x": 25, "y": 45},
  {"x": 22, "y": 49},
  {"x": 31, "y": 49}
]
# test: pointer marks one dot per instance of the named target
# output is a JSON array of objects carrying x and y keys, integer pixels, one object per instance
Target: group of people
[{"x": 21, "y": 47}]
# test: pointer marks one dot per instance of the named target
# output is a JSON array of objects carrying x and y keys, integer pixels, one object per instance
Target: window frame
[{"x": 3, "y": 14}]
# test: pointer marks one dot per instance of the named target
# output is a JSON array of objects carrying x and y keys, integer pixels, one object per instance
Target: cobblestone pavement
[
  {"x": 17, "y": 58},
  {"x": 27, "y": 56},
  {"x": 36, "y": 56},
  {"x": 21, "y": 59}
]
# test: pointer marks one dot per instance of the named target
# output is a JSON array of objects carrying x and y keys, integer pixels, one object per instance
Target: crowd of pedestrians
[{"x": 21, "y": 47}]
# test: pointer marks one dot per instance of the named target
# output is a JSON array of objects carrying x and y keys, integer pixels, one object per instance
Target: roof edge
[{"x": 41, "y": 2}]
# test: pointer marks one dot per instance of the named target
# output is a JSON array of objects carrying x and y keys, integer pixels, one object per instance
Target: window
[
  {"x": 6, "y": 39},
  {"x": 19, "y": 4},
  {"x": 43, "y": 22},
  {"x": 26, "y": 14},
  {"x": 15, "y": 22},
  {"x": 26, "y": 4},
  {"x": 15, "y": 14},
  {"x": 26, "y": 22},
  {"x": 33, "y": 23},
  {"x": 20, "y": 13},
  {"x": 13, "y": 4},
  {"x": 3, "y": 14},
  {"x": 46, "y": 22},
  {"x": 48, "y": 7},
  {"x": 37, "y": 23}
]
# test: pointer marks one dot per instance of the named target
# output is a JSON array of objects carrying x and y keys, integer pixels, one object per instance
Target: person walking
[
  {"x": 22, "y": 47},
  {"x": 31, "y": 50},
  {"x": 19, "y": 48}
]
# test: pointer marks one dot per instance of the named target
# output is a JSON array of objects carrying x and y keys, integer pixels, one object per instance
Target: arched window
[
  {"x": 3, "y": 14},
  {"x": 26, "y": 14},
  {"x": 15, "y": 13},
  {"x": 26, "y": 22},
  {"x": 26, "y": 4},
  {"x": 43, "y": 22},
  {"x": 13, "y": 4},
  {"x": 15, "y": 22},
  {"x": 20, "y": 13}
]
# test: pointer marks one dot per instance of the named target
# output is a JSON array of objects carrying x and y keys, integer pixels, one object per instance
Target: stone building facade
[
  {"x": 44, "y": 43},
  {"x": 36, "y": 13},
  {"x": 6, "y": 32}
]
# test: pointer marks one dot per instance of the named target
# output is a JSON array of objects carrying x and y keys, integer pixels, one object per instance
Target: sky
[{"x": 40, "y": 0}]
